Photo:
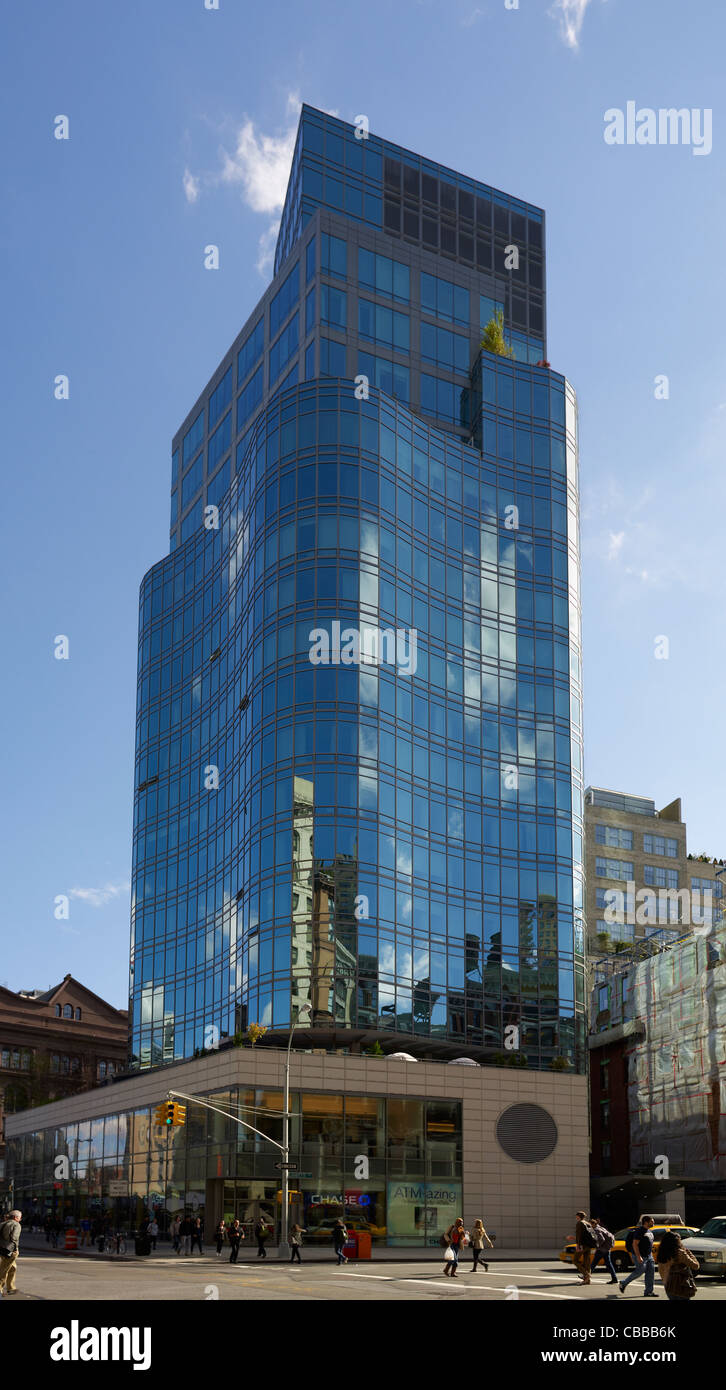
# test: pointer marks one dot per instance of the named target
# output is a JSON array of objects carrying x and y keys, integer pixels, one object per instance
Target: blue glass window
[
  {"x": 333, "y": 306},
  {"x": 192, "y": 439},
  {"x": 310, "y": 311},
  {"x": 383, "y": 325},
  {"x": 390, "y": 377},
  {"x": 282, "y": 350},
  {"x": 219, "y": 443},
  {"x": 192, "y": 481},
  {"x": 442, "y": 398},
  {"x": 445, "y": 348},
  {"x": 444, "y": 300},
  {"x": 192, "y": 522},
  {"x": 285, "y": 300},
  {"x": 310, "y": 260},
  {"x": 333, "y": 255},
  {"x": 220, "y": 397},
  {"x": 219, "y": 484},
  {"x": 385, "y": 276},
  {"x": 332, "y": 358},
  {"x": 310, "y": 362},
  {"x": 250, "y": 351},
  {"x": 249, "y": 399},
  {"x": 488, "y": 309}
]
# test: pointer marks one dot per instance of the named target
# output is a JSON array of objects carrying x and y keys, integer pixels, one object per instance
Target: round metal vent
[{"x": 527, "y": 1133}]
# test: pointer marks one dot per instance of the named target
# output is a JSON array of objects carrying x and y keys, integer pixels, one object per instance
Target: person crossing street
[{"x": 9, "y": 1241}]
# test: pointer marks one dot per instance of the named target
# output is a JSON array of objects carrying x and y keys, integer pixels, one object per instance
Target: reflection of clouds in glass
[
  {"x": 421, "y": 964},
  {"x": 386, "y": 958},
  {"x": 404, "y": 960},
  {"x": 404, "y": 860}
]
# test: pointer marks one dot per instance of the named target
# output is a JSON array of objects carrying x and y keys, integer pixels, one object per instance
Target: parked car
[
  {"x": 709, "y": 1247},
  {"x": 622, "y": 1259}
]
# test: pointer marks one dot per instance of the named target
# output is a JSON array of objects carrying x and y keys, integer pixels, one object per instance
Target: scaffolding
[{"x": 677, "y": 1070}]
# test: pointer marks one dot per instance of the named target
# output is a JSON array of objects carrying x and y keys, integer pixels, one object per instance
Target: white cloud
[
  {"x": 98, "y": 897},
  {"x": 570, "y": 14},
  {"x": 472, "y": 18},
  {"x": 615, "y": 544},
  {"x": 266, "y": 249},
  {"x": 261, "y": 163},
  {"x": 191, "y": 187}
]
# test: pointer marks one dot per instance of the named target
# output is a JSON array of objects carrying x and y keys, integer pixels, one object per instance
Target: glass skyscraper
[{"x": 393, "y": 835}]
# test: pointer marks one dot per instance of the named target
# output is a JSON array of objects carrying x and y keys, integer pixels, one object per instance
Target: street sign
[
  {"x": 118, "y": 1188},
  {"x": 291, "y": 1167}
]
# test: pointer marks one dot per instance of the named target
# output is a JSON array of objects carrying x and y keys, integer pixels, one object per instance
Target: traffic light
[{"x": 170, "y": 1113}]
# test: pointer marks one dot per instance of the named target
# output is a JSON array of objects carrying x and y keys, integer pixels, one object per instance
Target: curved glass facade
[{"x": 397, "y": 841}]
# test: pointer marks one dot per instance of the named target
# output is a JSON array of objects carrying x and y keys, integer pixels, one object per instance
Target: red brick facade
[{"x": 56, "y": 1044}]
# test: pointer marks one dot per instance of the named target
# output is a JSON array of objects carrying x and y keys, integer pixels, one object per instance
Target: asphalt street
[{"x": 52, "y": 1277}]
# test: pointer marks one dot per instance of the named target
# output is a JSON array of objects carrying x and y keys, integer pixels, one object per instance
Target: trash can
[
  {"x": 364, "y": 1245},
  {"x": 350, "y": 1249},
  {"x": 142, "y": 1245}
]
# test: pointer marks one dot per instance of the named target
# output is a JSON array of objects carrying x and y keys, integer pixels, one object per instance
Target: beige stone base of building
[{"x": 527, "y": 1196}]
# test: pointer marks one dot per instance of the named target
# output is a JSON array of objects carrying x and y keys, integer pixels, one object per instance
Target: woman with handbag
[
  {"x": 479, "y": 1239},
  {"x": 296, "y": 1235},
  {"x": 674, "y": 1266},
  {"x": 456, "y": 1237}
]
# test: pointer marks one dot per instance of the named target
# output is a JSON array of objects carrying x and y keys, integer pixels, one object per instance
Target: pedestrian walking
[
  {"x": 85, "y": 1228},
  {"x": 675, "y": 1266},
  {"x": 219, "y": 1235},
  {"x": 9, "y": 1243},
  {"x": 174, "y": 1233},
  {"x": 153, "y": 1232},
  {"x": 296, "y": 1235},
  {"x": 586, "y": 1243},
  {"x": 478, "y": 1240},
  {"x": 261, "y": 1234},
  {"x": 340, "y": 1235},
  {"x": 605, "y": 1241},
  {"x": 457, "y": 1236},
  {"x": 643, "y": 1254},
  {"x": 185, "y": 1236},
  {"x": 235, "y": 1234},
  {"x": 197, "y": 1235}
]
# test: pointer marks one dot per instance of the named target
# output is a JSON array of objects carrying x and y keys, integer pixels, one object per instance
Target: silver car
[{"x": 709, "y": 1247}]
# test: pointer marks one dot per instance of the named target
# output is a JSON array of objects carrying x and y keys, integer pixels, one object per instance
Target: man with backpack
[
  {"x": 586, "y": 1243},
  {"x": 9, "y": 1238},
  {"x": 605, "y": 1241},
  {"x": 640, "y": 1244}
]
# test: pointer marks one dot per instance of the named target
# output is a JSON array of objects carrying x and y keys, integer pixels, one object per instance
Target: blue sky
[{"x": 181, "y": 123}]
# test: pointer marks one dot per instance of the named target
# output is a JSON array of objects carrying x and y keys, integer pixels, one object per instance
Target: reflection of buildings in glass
[{"x": 324, "y": 936}]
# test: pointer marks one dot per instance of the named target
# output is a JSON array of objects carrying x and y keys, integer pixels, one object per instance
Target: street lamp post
[{"x": 304, "y": 1009}]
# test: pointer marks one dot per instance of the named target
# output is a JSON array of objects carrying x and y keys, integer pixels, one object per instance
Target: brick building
[{"x": 56, "y": 1043}]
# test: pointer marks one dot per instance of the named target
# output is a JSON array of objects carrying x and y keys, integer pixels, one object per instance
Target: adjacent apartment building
[
  {"x": 641, "y": 879},
  {"x": 358, "y": 802}
]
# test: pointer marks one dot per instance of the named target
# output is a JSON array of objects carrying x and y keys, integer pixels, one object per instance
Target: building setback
[{"x": 390, "y": 850}]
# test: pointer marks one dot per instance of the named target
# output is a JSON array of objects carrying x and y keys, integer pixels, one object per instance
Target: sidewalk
[{"x": 312, "y": 1253}]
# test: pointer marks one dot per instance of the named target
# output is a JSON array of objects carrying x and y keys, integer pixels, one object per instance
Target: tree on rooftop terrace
[{"x": 493, "y": 336}]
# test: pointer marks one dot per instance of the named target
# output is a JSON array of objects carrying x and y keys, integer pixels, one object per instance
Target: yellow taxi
[{"x": 622, "y": 1258}]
